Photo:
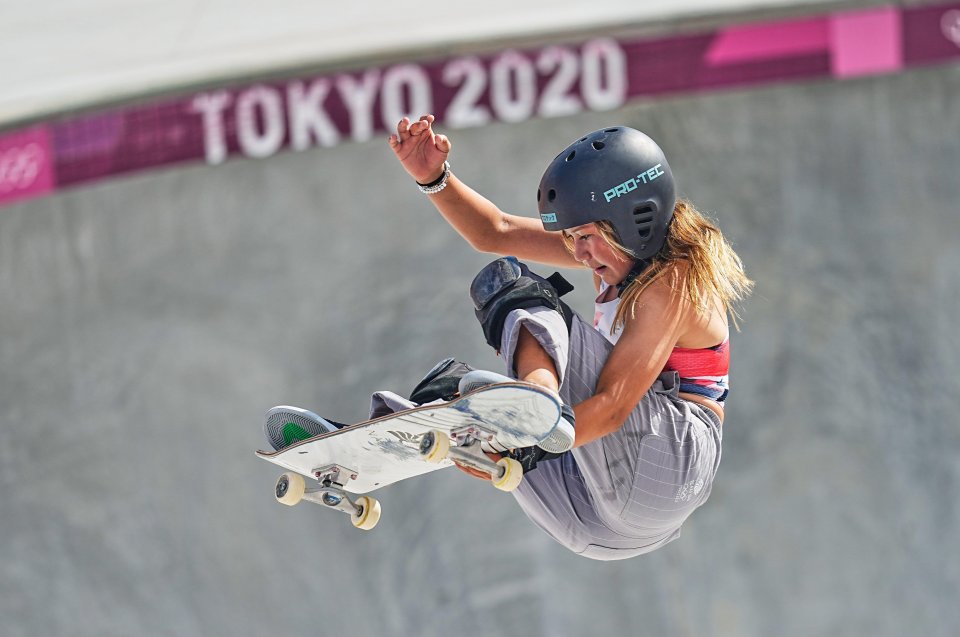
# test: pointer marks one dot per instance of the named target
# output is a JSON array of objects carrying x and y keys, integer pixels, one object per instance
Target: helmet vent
[
  {"x": 571, "y": 156},
  {"x": 611, "y": 130},
  {"x": 598, "y": 145},
  {"x": 551, "y": 195},
  {"x": 538, "y": 194},
  {"x": 643, "y": 218},
  {"x": 643, "y": 214}
]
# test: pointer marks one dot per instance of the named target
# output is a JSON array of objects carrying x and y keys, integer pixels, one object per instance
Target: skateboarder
[
  {"x": 644, "y": 385},
  {"x": 648, "y": 380}
]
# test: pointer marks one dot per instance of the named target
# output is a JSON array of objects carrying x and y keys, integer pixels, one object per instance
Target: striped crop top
[{"x": 705, "y": 372}]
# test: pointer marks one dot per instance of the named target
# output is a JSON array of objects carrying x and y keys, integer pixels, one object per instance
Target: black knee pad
[{"x": 506, "y": 285}]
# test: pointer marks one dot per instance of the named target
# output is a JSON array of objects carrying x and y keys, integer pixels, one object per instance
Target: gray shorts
[{"x": 628, "y": 492}]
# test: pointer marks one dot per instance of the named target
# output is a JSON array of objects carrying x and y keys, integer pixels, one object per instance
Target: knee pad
[{"x": 507, "y": 284}]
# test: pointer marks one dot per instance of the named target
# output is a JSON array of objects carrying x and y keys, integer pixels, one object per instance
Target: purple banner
[{"x": 262, "y": 119}]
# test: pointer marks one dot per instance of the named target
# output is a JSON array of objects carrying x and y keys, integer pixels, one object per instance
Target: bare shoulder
[
  {"x": 653, "y": 323},
  {"x": 668, "y": 289},
  {"x": 700, "y": 325},
  {"x": 665, "y": 310},
  {"x": 659, "y": 311}
]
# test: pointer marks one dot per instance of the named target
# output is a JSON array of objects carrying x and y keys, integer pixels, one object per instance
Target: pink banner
[
  {"x": 26, "y": 166},
  {"x": 763, "y": 42},
  {"x": 866, "y": 42}
]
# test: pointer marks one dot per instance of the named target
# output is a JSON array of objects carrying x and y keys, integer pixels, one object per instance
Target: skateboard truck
[
  {"x": 331, "y": 493},
  {"x": 364, "y": 512},
  {"x": 465, "y": 435},
  {"x": 334, "y": 474},
  {"x": 506, "y": 473}
]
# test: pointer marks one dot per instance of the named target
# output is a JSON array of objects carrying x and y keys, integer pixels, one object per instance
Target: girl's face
[{"x": 590, "y": 249}]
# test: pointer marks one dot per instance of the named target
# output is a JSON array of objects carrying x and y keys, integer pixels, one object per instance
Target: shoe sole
[
  {"x": 286, "y": 425},
  {"x": 559, "y": 440},
  {"x": 477, "y": 378}
]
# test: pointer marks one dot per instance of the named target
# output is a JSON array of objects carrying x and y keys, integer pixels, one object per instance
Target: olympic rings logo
[
  {"x": 950, "y": 24},
  {"x": 20, "y": 167}
]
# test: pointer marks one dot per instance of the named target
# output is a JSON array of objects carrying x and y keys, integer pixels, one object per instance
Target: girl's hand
[
  {"x": 420, "y": 150},
  {"x": 476, "y": 473}
]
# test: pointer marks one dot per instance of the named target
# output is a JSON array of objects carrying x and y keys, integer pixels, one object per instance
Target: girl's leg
[
  {"x": 569, "y": 497},
  {"x": 628, "y": 492},
  {"x": 533, "y": 363}
]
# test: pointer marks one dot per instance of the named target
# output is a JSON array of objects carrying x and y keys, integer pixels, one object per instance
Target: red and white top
[{"x": 705, "y": 372}]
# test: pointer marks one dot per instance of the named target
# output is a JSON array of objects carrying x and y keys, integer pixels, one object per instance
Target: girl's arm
[
  {"x": 484, "y": 226},
  {"x": 488, "y": 229},
  {"x": 635, "y": 362}
]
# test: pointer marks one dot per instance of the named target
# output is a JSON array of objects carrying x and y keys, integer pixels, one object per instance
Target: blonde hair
[{"x": 713, "y": 270}]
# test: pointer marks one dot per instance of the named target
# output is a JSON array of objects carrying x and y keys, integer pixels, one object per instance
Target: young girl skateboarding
[{"x": 644, "y": 384}]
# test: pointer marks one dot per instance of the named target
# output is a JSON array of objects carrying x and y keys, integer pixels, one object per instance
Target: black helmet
[{"x": 614, "y": 174}]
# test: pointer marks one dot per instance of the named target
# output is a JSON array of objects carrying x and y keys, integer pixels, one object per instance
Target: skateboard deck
[{"x": 370, "y": 455}]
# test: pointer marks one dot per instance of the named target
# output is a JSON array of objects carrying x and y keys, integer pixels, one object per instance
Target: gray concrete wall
[{"x": 148, "y": 323}]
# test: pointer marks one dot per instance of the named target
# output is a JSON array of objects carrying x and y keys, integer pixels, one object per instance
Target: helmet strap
[{"x": 635, "y": 271}]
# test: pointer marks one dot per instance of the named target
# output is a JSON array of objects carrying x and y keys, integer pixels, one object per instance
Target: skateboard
[{"x": 370, "y": 455}]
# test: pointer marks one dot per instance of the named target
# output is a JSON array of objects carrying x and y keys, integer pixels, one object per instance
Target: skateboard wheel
[
  {"x": 434, "y": 446},
  {"x": 511, "y": 474},
  {"x": 290, "y": 488},
  {"x": 368, "y": 515}
]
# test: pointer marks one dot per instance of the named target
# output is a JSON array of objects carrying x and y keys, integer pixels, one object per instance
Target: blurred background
[{"x": 200, "y": 218}]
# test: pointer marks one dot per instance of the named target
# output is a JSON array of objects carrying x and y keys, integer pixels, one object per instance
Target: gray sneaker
[
  {"x": 285, "y": 425},
  {"x": 477, "y": 378},
  {"x": 563, "y": 436},
  {"x": 560, "y": 438}
]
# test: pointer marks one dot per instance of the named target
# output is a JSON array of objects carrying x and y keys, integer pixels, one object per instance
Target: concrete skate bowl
[{"x": 172, "y": 271}]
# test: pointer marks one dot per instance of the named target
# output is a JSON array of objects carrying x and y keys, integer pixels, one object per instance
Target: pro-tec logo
[{"x": 631, "y": 184}]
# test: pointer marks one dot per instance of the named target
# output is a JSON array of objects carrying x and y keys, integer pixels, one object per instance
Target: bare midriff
[{"x": 712, "y": 405}]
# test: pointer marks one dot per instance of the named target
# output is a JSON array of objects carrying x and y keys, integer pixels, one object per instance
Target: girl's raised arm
[{"x": 423, "y": 154}]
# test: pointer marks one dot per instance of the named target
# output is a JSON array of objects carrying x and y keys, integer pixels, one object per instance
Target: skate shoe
[
  {"x": 559, "y": 440},
  {"x": 562, "y": 437},
  {"x": 478, "y": 378},
  {"x": 285, "y": 425},
  {"x": 441, "y": 382}
]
